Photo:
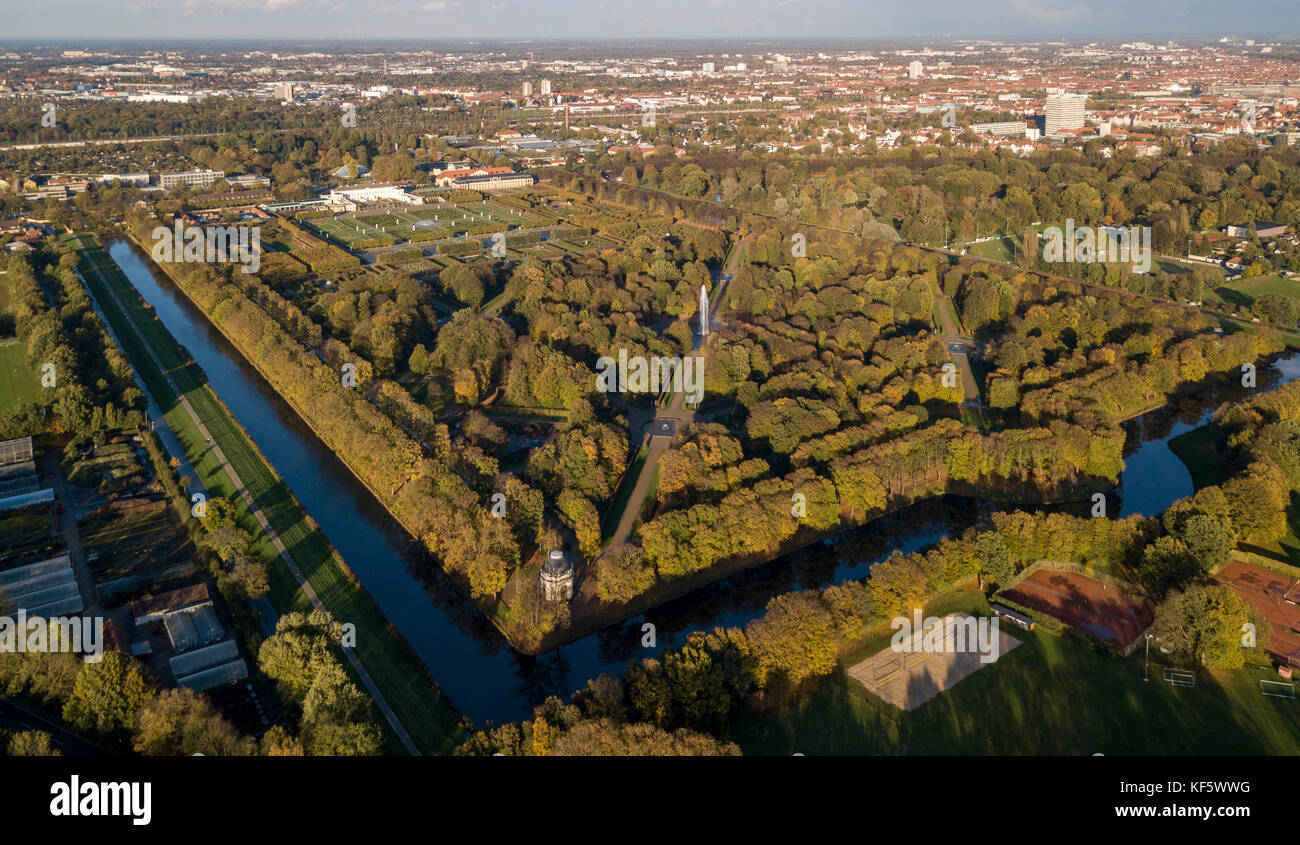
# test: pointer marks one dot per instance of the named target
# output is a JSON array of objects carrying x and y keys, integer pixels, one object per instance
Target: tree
[
  {"x": 994, "y": 558},
  {"x": 278, "y": 742},
  {"x": 336, "y": 717},
  {"x": 108, "y": 695},
  {"x": 32, "y": 744},
  {"x": 418, "y": 362},
  {"x": 605, "y": 738},
  {"x": 181, "y": 722},
  {"x": 1204, "y": 625},
  {"x": 794, "y": 640},
  {"x": 303, "y": 644},
  {"x": 623, "y": 574}
]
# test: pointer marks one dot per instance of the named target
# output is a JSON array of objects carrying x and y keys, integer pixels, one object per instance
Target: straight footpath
[{"x": 305, "y": 570}]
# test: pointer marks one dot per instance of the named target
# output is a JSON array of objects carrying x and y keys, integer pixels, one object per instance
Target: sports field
[
  {"x": 1108, "y": 613},
  {"x": 1246, "y": 291},
  {"x": 1053, "y": 695},
  {"x": 907, "y": 679},
  {"x": 18, "y": 382},
  {"x": 1275, "y": 598}
]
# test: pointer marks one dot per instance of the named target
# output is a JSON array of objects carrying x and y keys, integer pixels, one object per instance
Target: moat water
[{"x": 485, "y": 678}]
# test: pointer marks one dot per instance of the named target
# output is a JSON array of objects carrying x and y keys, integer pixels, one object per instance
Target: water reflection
[
  {"x": 1154, "y": 477},
  {"x": 485, "y": 678}
]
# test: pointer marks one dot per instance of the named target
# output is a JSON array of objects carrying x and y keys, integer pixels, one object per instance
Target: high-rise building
[
  {"x": 1064, "y": 111},
  {"x": 546, "y": 86},
  {"x": 708, "y": 68},
  {"x": 914, "y": 70},
  {"x": 528, "y": 89},
  {"x": 284, "y": 91}
]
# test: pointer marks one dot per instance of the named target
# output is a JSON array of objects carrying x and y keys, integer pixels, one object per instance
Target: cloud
[
  {"x": 1037, "y": 12},
  {"x": 193, "y": 6}
]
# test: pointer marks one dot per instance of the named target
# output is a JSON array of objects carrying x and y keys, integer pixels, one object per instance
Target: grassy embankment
[{"x": 422, "y": 709}]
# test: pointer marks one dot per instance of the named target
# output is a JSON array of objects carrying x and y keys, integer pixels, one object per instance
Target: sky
[{"x": 631, "y": 19}]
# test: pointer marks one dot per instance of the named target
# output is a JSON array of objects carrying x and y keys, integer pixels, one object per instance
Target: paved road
[
  {"x": 960, "y": 348},
  {"x": 661, "y": 431},
  {"x": 67, "y": 526},
  {"x": 14, "y": 718},
  {"x": 270, "y": 533}
]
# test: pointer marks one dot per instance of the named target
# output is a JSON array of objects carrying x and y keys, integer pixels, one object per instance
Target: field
[
  {"x": 1274, "y": 598},
  {"x": 136, "y": 548},
  {"x": 1054, "y": 695},
  {"x": 401, "y": 224},
  {"x": 1002, "y": 249},
  {"x": 1104, "y": 611},
  {"x": 422, "y": 710},
  {"x": 1244, "y": 292},
  {"x": 28, "y": 536},
  {"x": 908, "y": 680},
  {"x": 18, "y": 383}
]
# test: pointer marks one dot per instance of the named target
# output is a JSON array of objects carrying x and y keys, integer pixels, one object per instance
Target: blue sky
[{"x": 585, "y": 19}]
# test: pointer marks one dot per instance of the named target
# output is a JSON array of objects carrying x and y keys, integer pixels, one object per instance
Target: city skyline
[{"x": 674, "y": 19}]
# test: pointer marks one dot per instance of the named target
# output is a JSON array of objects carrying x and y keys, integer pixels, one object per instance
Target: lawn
[
  {"x": 1244, "y": 292},
  {"x": 422, "y": 709},
  {"x": 1002, "y": 249},
  {"x": 1054, "y": 695},
  {"x": 18, "y": 382}
]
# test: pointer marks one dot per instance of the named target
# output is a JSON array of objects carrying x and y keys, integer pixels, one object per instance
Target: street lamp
[{"x": 1146, "y": 669}]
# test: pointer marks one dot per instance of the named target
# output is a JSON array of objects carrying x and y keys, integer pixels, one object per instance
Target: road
[
  {"x": 661, "y": 431},
  {"x": 960, "y": 348},
  {"x": 14, "y": 718}
]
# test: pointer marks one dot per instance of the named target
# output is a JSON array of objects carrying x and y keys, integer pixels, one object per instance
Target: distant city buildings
[
  {"x": 1064, "y": 112},
  {"x": 495, "y": 181},
  {"x": 1002, "y": 129},
  {"x": 190, "y": 179},
  {"x": 1262, "y": 230}
]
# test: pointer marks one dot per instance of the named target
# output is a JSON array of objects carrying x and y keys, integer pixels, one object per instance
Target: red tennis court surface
[
  {"x": 1108, "y": 613},
  {"x": 1274, "y": 598}
]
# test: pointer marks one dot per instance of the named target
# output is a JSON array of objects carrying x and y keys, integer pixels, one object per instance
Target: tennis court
[
  {"x": 1275, "y": 598},
  {"x": 1108, "y": 613}
]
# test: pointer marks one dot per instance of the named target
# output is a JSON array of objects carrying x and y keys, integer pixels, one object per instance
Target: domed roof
[{"x": 557, "y": 565}]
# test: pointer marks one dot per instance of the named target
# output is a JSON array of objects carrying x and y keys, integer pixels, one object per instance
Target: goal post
[{"x": 1277, "y": 689}]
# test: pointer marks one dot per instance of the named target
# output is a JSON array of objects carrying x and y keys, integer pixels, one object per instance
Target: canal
[{"x": 485, "y": 678}]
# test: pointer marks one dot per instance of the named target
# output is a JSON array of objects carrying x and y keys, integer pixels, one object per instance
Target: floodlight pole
[{"x": 1146, "y": 670}]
